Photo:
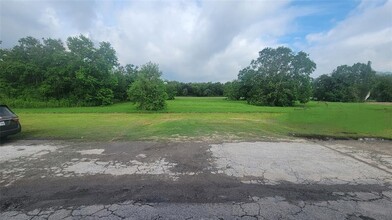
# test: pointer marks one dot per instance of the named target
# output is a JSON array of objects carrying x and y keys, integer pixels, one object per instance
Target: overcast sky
[{"x": 205, "y": 40}]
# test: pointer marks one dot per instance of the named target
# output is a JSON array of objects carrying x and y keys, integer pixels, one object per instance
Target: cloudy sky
[{"x": 211, "y": 40}]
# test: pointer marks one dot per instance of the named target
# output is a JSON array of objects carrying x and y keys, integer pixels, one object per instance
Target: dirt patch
[{"x": 344, "y": 136}]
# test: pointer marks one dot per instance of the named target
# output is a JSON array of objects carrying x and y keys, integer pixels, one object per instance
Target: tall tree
[
  {"x": 94, "y": 79},
  {"x": 323, "y": 88},
  {"x": 346, "y": 84},
  {"x": 278, "y": 77},
  {"x": 382, "y": 91},
  {"x": 43, "y": 70}
]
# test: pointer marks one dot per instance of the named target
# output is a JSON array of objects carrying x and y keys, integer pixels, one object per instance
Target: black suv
[{"x": 9, "y": 122}]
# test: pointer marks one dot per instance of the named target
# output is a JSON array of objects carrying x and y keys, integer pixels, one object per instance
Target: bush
[
  {"x": 148, "y": 91},
  {"x": 105, "y": 97}
]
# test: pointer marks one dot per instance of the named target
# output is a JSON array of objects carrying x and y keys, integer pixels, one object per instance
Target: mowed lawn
[{"x": 207, "y": 119}]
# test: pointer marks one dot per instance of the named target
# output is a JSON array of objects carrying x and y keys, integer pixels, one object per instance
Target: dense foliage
[
  {"x": 233, "y": 90},
  {"x": 47, "y": 71},
  {"x": 202, "y": 89},
  {"x": 278, "y": 77},
  {"x": 50, "y": 73},
  {"x": 171, "y": 90},
  {"x": 346, "y": 84},
  {"x": 382, "y": 91},
  {"x": 125, "y": 76},
  {"x": 148, "y": 91}
]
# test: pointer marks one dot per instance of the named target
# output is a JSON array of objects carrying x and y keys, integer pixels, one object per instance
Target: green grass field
[{"x": 211, "y": 119}]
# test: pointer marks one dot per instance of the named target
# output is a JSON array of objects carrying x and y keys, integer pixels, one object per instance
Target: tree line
[
  {"x": 75, "y": 74},
  {"x": 198, "y": 89},
  {"x": 355, "y": 83},
  {"x": 49, "y": 72},
  {"x": 279, "y": 77}
]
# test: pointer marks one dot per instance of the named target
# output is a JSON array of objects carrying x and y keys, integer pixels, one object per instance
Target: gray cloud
[
  {"x": 57, "y": 19},
  {"x": 80, "y": 14},
  {"x": 201, "y": 40},
  {"x": 191, "y": 40},
  {"x": 364, "y": 36},
  {"x": 16, "y": 20},
  {"x": 196, "y": 41}
]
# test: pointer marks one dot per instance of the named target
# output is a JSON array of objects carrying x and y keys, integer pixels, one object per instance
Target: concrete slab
[
  {"x": 150, "y": 180},
  {"x": 301, "y": 163}
]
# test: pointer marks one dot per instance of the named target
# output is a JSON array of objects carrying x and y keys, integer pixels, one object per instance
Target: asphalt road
[{"x": 297, "y": 179}]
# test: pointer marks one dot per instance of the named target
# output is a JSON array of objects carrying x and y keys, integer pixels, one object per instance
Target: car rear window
[{"x": 4, "y": 111}]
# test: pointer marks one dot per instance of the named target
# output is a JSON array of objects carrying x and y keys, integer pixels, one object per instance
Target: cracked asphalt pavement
[{"x": 296, "y": 179}]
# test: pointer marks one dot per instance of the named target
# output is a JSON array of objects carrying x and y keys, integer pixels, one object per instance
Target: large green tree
[
  {"x": 44, "y": 71},
  {"x": 148, "y": 91},
  {"x": 382, "y": 91},
  {"x": 323, "y": 88},
  {"x": 94, "y": 79},
  {"x": 346, "y": 84},
  {"x": 232, "y": 90},
  {"x": 278, "y": 77}
]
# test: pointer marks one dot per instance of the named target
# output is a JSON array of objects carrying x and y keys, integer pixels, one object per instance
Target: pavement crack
[
  {"x": 157, "y": 217},
  {"x": 113, "y": 212},
  {"x": 326, "y": 206},
  {"x": 353, "y": 157},
  {"x": 302, "y": 207},
  {"x": 248, "y": 214},
  {"x": 357, "y": 215},
  {"x": 137, "y": 168}
]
